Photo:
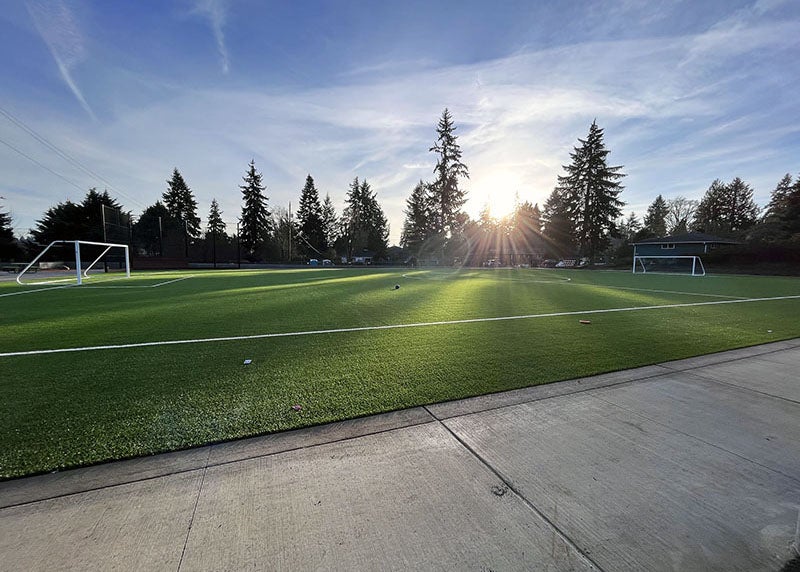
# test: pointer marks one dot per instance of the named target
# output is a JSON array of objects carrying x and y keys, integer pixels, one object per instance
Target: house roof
[{"x": 690, "y": 238}]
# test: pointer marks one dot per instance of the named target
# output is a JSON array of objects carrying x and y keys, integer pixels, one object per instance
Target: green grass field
[{"x": 68, "y": 408}]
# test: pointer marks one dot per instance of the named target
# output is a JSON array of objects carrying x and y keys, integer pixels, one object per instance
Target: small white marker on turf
[{"x": 248, "y": 361}]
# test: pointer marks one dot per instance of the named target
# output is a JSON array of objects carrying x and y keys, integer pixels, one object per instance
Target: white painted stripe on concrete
[{"x": 388, "y": 327}]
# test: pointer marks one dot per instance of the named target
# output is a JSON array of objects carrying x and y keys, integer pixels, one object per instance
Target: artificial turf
[{"x": 66, "y": 409}]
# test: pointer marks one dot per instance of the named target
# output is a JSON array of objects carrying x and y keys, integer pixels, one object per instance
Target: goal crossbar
[
  {"x": 79, "y": 273},
  {"x": 697, "y": 264}
]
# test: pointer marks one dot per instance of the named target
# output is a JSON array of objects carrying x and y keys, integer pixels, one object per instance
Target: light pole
[{"x": 238, "y": 247}]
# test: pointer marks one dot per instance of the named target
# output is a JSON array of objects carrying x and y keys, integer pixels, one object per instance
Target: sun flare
[{"x": 499, "y": 191}]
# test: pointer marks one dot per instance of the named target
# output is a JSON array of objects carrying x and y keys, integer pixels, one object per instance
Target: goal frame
[
  {"x": 80, "y": 274},
  {"x": 697, "y": 264}
]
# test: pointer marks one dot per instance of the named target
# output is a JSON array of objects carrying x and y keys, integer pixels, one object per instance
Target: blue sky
[{"x": 687, "y": 91}]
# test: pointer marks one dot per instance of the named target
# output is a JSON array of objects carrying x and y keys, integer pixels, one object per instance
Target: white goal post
[
  {"x": 80, "y": 274},
  {"x": 673, "y": 264}
]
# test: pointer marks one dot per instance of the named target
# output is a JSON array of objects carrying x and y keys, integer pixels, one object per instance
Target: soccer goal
[
  {"x": 69, "y": 267},
  {"x": 689, "y": 265}
]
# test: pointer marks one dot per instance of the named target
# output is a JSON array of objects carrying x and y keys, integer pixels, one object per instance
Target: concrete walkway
[{"x": 689, "y": 465}]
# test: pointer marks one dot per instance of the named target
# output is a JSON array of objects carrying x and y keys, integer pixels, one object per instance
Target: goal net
[
  {"x": 689, "y": 265},
  {"x": 73, "y": 261}
]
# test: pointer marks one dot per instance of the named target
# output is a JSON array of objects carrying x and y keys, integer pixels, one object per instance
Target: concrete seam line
[
  {"x": 740, "y": 387},
  {"x": 391, "y": 326},
  {"x": 524, "y": 500},
  {"x": 207, "y": 465},
  {"x": 696, "y": 438},
  {"x": 194, "y": 510}
]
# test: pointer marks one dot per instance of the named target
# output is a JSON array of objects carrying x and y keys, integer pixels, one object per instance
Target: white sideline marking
[
  {"x": 36, "y": 290},
  {"x": 389, "y": 327},
  {"x": 667, "y": 291},
  {"x": 93, "y": 287}
]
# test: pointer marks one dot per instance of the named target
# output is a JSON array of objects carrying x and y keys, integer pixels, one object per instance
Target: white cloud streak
[
  {"x": 215, "y": 11},
  {"x": 58, "y": 28}
]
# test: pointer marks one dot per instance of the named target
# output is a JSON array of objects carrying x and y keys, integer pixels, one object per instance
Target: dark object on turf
[{"x": 397, "y": 286}]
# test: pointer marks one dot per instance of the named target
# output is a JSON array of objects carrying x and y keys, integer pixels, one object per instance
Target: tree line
[{"x": 581, "y": 217}]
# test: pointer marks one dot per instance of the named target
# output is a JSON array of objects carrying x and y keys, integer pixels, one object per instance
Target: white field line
[
  {"x": 667, "y": 291},
  {"x": 36, "y": 290},
  {"x": 93, "y": 287},
  {"x": 569, "y": 281},
  {"x": 388, "y": 327}
]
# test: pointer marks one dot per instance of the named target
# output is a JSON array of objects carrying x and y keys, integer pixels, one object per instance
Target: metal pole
[
  {"x": 238, "y": 247},
  {"x": 289, "y": 231},
  {"x": 160, "y": 238},
  {"x": 105, "y": 237},
  {"x": 78, "y": 261}
]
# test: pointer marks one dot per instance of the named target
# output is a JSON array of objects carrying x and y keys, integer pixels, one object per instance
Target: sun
[{"x": 498, "y": 190}]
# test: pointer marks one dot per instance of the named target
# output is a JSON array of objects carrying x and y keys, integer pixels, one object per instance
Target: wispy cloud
[
  {"x": 215, "y": 11},
  {"x": 58, "y": 28}
]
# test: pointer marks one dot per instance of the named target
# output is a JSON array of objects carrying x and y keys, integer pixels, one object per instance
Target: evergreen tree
[
  {"x": 526, "y": 228},
  {"x": 364, "y": 226},
  {"x": 783, "y": 209},
  {"x": 417, "y": 223},
  {"x": 330, "y": 222},
  {"x": 309, "y": 220},
  {"x": 256, "y": 222},
  {"x": 779, "y": 199},
  {"x": 742, "y": 210},
  {"x": 9, "y": 249},
  {"x": 709, "y": 215},
  {"x": 630, "y": 227},
  {"x": 447, "y": 197},
  {"x": 655, "y": 220},
  {"x": 726, "y": 209},
  {"x": 71, "y": 221},
  {"x": 151, "y": 227},
  {"x": 181, "y": 204},
  {"x": 557, "y": 228},
  {"x": 182, "y": 208},
  {"x": 591, "y": 193},
  {"x": 215, "y": 223}
]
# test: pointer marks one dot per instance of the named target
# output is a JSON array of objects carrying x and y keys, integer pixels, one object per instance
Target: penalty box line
[{"x": 389, "y": 327}]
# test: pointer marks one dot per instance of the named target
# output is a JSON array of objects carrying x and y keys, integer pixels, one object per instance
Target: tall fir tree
[
  {"x": 256, "y": 219},
  {"x": 447, "y": 197},
  {"x": 182, "y": 207},
  {"x": 215, "y": 224},
  {"x": 330, "y": 222},
  {"x": 364, "y": 226},
  {"x": 779, "y": 199},
  {"x": 655, "y": 220},
  {"x": 8, "y": 245},
  {"x": 181, "y": 204},
  {"x": 629, "y": 228},
  {"x": 526, "y": 228},
  {"x": 591, "y": 192},
  {"x": 727, "y": 210},
  {"x": 309, "y": 220},
  {"x": 417, "y": 225},
  {"x": 150, "y": 227},
  {"x": 557, "y": 227}
]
